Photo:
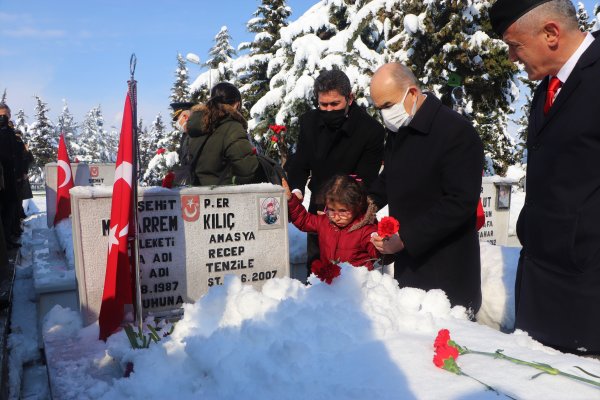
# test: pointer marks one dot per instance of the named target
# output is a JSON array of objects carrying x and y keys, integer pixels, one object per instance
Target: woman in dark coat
[{"x": 217, "y": 131}]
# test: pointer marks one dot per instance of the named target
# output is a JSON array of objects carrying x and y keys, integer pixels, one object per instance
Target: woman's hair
[
  {"x": 223, "y": 93},
  {"x": 347, "y": 190}
]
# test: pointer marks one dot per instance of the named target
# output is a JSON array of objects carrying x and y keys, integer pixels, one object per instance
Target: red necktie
[{"x": 553, "y": 87}]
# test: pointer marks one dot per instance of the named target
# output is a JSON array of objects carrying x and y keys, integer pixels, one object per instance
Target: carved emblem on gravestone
[
  {"x": 94, "y": 171},
  {"x": 190, "y": 207},
  {"x": 270, "y": 212}
]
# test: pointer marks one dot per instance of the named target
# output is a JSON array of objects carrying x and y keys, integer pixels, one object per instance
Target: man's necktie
[{"x": 553, "y": 87}]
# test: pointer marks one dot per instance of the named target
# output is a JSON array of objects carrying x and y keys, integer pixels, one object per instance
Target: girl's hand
[
  {"x": 390, "y": 245},
  {"x": 286, "y": 187}
]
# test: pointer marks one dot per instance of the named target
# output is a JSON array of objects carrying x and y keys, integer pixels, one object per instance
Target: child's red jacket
[{"x": 350, "y": 244}]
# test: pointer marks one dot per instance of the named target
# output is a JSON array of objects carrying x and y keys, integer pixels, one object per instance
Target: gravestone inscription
[{"x": 189, "y": 240}]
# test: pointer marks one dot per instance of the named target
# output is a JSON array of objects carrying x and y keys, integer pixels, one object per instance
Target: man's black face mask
[
  {"x": 334, "y": 119},
  {"x": 3, "y": 121}
]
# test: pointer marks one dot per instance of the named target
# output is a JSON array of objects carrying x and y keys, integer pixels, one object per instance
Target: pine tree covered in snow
[
  {"x": 447, "y": 41},
  {"x": 220, "y": 67},
  {"x": 42, "y": 142},
  {"x": 329, "y": 35},
  {"x": 151, "y": 141},
  {"x": 94, "y": 143},
  {"x": 266, "y": 24},
  {"x": 585, "y": 25},
  {"x": 523, "y": 122},
  {"x": 222, "y": 52},
  {"x": 21, "y": 125},
  {"x": 180, "y": 92},
  {"x": 67, "y": 126}
]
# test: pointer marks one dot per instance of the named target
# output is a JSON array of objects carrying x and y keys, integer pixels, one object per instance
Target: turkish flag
[
  {"x": 64, "y": 182},
  {"x": 117, "y": 281}
]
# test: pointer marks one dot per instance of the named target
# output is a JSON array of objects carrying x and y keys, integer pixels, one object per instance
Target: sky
[{"x": 80, "y": 50}]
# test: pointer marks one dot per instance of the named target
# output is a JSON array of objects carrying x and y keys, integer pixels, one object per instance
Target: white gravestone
[
  {"x": 189, "y": 240},
  {"x": 495, "y": 198},
  {"x": 83, "y": 175}
]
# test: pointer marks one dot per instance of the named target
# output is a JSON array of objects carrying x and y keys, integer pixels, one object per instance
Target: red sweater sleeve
[{"x": 301, "y": 218}]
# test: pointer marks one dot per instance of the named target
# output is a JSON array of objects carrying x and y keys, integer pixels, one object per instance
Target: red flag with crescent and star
[
  {"x": 64, "y": 182},
  {"x": 117, "y": 282}
]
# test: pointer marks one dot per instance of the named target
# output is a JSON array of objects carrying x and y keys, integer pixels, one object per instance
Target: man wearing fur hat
[{"x": 557, "y": 293}]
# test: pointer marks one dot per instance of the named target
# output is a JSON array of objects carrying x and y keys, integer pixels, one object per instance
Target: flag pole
[{"x": 136, "y": 248}]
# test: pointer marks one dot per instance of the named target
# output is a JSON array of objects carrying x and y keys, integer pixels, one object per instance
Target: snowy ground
[{"x": 359, "y": 338}]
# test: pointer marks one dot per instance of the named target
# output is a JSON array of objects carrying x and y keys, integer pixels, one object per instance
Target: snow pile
[{"x": 361, "y": 337}]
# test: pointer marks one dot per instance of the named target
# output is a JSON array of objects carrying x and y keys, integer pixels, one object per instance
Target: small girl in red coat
[{"x": 345, "y": 227}]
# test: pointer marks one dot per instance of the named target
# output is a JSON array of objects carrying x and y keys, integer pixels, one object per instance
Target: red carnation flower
[
  {"x": 160, "y": 151},
  {"x": 167, "y": 181},
  {"x": 326, "y": 272},
  {"x": 277, "y": 128},
  {"x": 442, "y": 338},
  {"x": 387, "y": 227},
  {"x": 446, "y": 352},
  {"x": 274, "y": 139}
]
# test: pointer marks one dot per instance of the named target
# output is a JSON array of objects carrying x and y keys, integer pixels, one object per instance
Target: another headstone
[
  {"x": 189, "y": 240},
  {"x": 83, "y": 175},
  {"x": 495, "y": 198}
]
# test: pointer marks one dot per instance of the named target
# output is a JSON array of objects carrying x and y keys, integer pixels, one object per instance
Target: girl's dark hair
[
  {"x": 346, "y": 190},
  {"x": 223, "y": 93}
]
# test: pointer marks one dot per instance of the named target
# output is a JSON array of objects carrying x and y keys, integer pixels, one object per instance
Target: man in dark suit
[
  {"x": 339, "y": 137},
  {"x": 431, "y": 182},
  {"x": 558, "y": 279}
]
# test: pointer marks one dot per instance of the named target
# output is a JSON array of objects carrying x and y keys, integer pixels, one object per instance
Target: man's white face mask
[
  {"x": 181, "y": 123},
  {"x": 395, "y": 117}
]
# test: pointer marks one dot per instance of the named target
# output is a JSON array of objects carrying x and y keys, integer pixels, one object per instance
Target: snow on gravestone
[
  {"x": 495, "y": 198},
  {"x": 83, "y": 175},
  {"x": 189, "y": 240}
]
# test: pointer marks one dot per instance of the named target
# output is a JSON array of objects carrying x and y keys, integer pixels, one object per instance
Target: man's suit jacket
[
  {"x": 432, "y": 183},
  {"x": 558, "y": 280},
  {"x": 356, "y": 148}
]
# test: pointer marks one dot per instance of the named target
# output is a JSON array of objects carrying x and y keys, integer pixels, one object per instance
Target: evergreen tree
[
  {"x": 220, "y": 67},
  {"x": 161, "y": 154},
  {"x": 3, "y": 100},
  {"x": 523, "y": 122},
  {"x": 151, "y": 141},
  {"x": 21, "y": 124},
  {"x": 449, "y": 46},
  {"x": 67, "y": 126},
  {"x": 341, "y": 34},
  {"x": 180, "y": 92},
  {"x": 222, "y": 52},
  {"x": 583, "y": 18},
  {"x": 266, "y": 24},
  {"x": 95, "y": 144},
  {"x": 43, "y": 142}
]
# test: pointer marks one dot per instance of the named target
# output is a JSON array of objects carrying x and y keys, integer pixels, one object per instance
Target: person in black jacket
[
  {"x": 9, "y": 197},
  {"x": 557, "y": 293},
  {"x": 431, "y": 183},
  {"x": 339, "y": 137}
]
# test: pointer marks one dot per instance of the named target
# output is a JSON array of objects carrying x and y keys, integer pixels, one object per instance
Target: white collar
[{"x": 566, "y": 69}]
